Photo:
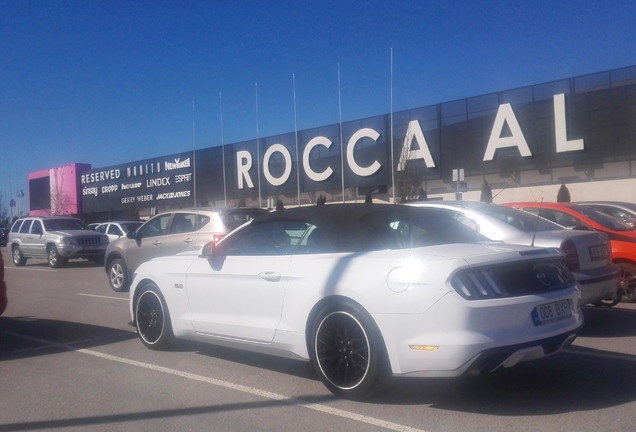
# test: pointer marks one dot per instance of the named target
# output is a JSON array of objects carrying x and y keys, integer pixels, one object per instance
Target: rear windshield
[
  {"x": 607, "y": 221},
  {"x": 520, "y": 219}
]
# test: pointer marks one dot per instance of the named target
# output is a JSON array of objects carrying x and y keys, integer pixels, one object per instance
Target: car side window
[
  {"x": 272, "y": 238},
  {"x": 26, "y": 225},
  {"x": 183, "y": 223},
  {"x": 156, "y": 226},
  {"x": 37, "y": 228},
  {"x": 470, "y": 223},
  {"x": 114, "y": 230},
  {"x": 202, "y": 220},
  {"x": 101, "y": 229},
  {"x": 567, "y": 220},
  {"x": 16, "y": 227},
  {"x": 314, "y": 242}
]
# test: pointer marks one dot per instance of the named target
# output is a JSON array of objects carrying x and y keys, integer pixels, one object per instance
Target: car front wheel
[
  {"x": 348, "y": 353},
  {"x": 18, "y": 258},
  {"x": 54, "y": 258},
  {"x": 152, "y": 319},
  {"x": 118, "y": 275}
]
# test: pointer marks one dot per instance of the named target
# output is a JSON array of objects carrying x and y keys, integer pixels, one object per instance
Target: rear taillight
[
  {"x": 217, "y": 237},
  {"x": 571, "y": 256}
]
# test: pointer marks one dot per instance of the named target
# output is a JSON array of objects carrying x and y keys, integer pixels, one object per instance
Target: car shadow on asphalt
[
  {"x": 23, "y": 337},
  {"x": 36, "y": 263},
  {"x": 603, "y": 322}
]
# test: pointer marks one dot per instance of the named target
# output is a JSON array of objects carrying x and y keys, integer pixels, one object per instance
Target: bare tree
[{"x": 60, "y": 199}]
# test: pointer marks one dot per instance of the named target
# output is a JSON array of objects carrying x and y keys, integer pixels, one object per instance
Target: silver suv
[
  {"x": 55, "y": 238},
  {"x": 168, "y": 234}
]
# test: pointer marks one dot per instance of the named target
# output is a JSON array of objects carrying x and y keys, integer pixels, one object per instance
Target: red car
[
  {"x": 622, "y": 237},
  {"x": 3, "y": 287}
]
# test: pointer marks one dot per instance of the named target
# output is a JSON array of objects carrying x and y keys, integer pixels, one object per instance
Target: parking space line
[
  {"x": 100, "y": 296},
  {"x": 228, "y": 385}
]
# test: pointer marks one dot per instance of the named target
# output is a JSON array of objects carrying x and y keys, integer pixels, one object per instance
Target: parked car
[
  {"x": 624, "y": 211},
  {"x": 170, "y": 233},
  {"x": 55, "y": 238},
  {"x": 3, "y": 287},
  {"x": 363, "y": 292},
  {"x": 587, "y": 253},
  {"x": 4, "y": 236},
  {"x": 622, "y": 237},
  {"x": 117, "y": 229}
]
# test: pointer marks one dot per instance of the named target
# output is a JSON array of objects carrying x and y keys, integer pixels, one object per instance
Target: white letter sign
[
  {"x": 357, "y": 169},
  {"x": 496, "y": 141},
  {"x": 560, "y": 128}
]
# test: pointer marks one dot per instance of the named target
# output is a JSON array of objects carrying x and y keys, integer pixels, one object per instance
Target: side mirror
[
  {"x": 209, "y": 250},
  {"x": 131, "y": 234}
]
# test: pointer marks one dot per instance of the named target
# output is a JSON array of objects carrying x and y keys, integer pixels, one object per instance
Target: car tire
[
  {"x": 18, "y": 258},
  {"x": 627, "y": 282},
  {"x": 54, "y": 258},
  {"x": 118, "y": 275},
  {"x": 152, "y": 319},
  {"x": 348, "y": 352}
]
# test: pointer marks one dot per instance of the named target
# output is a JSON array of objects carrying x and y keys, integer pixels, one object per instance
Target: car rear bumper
[
  {"x": 458, "y": 336},
  {"x": 597, "y": 285}
]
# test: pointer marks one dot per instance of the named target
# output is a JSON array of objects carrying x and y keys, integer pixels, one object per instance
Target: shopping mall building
[{"x": 525, "y": 143}]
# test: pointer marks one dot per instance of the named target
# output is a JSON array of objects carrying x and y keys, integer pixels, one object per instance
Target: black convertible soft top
[{"x": 355, "y": 227}]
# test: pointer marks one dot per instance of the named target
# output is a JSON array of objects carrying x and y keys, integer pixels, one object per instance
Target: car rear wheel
[
  {"x": 54, "y": 258},
  {"x": 118, "y": 275},
  {"x": 627, "y": 282},
  {"x": 152, "y": 319},
  {"x": 18, "y": 258},
  {"x": 348, "y": 353}
]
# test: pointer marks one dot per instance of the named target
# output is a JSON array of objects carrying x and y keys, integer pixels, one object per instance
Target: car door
[
  {"x": 23, "y": 237},
  {"x": 182, "y": 234},
  {"x": 239, "y": 293},
  {"x": 148, "y": 241},
  {"x": 36, "y": 246}
]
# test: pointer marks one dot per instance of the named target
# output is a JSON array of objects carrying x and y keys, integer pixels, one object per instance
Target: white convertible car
[{"x": 364, "y": 292}]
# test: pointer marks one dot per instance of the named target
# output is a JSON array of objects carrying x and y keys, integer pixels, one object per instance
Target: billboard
[{"x": 158, "y": 182}]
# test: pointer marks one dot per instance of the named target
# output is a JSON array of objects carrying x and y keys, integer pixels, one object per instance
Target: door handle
[
  {"x": 270, "y": 276},
  {"x": 156, "y": 242},
  {"x": 188, "y": 240}
]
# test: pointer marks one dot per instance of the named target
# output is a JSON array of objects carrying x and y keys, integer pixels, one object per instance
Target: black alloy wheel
[
  {"x": 152, "y": 319},
  {"x": 348, "y": 353}
]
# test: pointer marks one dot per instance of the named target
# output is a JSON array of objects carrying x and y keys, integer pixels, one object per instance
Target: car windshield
[
  {"x": 130, "y": 226},
  {"x": 606, "y": 221},
  {"x": 64, "y": 224},
  {"x": 524, "y": 221}
]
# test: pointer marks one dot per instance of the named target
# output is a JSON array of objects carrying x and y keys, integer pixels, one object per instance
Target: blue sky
[{"x": 111, "y": 81}]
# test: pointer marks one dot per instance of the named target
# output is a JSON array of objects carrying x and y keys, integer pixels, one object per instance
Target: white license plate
[
  {"x": 599, "y": 252},
  {"x": 551, "y": 312}
]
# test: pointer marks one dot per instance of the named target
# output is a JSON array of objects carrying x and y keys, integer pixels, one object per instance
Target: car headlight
[
  {"x": 103, "y": 240},
  {"x": 69, "y": 240}
]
